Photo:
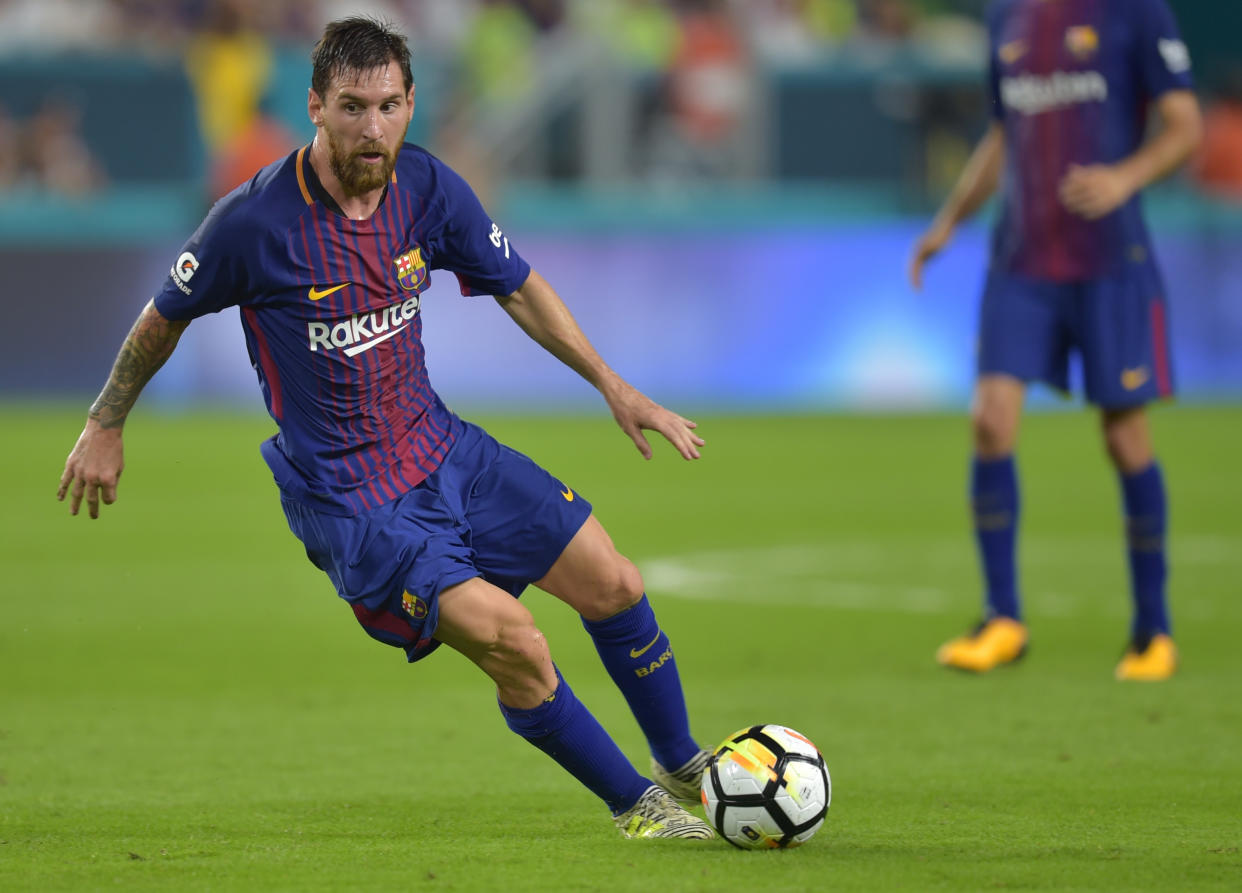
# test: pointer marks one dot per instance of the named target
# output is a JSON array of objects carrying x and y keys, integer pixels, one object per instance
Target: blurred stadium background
[
  {"x": 726, "y": 194},
  {"x": 725, "y": 191}
]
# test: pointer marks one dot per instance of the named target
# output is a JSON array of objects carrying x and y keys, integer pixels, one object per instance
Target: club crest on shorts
[
  {"x": 414, "y": 606},
  {"x": 411, "y": 270},
  {"x": 1133, "y": 379}
]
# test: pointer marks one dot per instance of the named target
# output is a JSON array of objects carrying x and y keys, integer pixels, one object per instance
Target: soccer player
[
  {"x": 1072, "y": 271},
  {"x": 427, "y": 526}
]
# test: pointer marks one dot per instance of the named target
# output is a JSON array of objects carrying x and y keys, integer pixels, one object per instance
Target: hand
[
  {"x": 93, "y": 468},
  {"x": 634, "y": 412},
  {"x": 928, "y": 246},
  {"x": 1094, "y": 191}
]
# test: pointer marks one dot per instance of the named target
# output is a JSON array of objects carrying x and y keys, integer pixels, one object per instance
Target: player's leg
[
  {"x": 606, "y": 589},
  {"x": 1023, "y": 337},
  {"x": 1125, "y": 366},
  {"x": 995, "y": 417},
  {"x": 527, "y": 526},
  {"x": 438, "y": 596},
  {"x": 1150, "y": 654},
  {"x": 499, "y": 635},
  {"x": 1001, "y": 636}
]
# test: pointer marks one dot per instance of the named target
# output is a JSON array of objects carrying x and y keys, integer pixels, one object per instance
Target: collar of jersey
[{"x": 320, "y": 194}]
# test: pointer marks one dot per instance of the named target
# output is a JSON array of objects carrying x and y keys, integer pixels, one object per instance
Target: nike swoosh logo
[
  {"x": 639, "y": 652},
  {"x": 568, "y": 494},
  {"x": 359, "y": 348},
  {"x": 315, "y": 294}
]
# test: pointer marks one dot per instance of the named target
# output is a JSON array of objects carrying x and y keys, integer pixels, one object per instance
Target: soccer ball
[{"x": 766, "y": 787}]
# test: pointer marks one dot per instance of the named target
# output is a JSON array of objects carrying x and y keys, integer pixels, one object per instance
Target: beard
[{"x": 357, "y": 177}]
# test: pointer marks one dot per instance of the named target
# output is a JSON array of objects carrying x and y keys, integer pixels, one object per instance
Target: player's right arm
[
  {"x": 973, "y": 187},
  {"x": 95, "y": 464}
]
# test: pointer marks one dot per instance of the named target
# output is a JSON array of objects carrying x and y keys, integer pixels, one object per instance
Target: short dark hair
[{"x": 357, "y": 44}]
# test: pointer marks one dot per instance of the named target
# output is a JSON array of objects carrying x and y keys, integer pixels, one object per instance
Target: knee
[
  {"x": 508, "y": 646},
  {"x": 496, "y": 632},
  {"x": 995, "y": 429},
  {"x": 515, "y": 641},
  {"x": 617, "y": 585},
  {"x": 1116, "y": 447},
  {"x": 1127, "y": 444}
]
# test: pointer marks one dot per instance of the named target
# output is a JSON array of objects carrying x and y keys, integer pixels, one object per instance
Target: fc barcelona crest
[
  {"x": 1082, "y": 40},
  {"x": 411, "y": 270},
  {"x": 414, "y": 606}
]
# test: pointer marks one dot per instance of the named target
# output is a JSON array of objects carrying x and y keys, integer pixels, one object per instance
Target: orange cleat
[
  {"x": 1148, "y": 661},
  {"x": 996, "y": 641}
]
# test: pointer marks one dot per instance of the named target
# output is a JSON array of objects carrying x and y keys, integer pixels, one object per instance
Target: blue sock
[
  {"x": 640, "y": 661},
  {"x": 567, "y": 732},
  {"x": 1146, "y": 510},
  {"x": 994, "y": 499}
]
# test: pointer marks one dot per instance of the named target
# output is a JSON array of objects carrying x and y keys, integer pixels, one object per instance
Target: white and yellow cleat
[
  {"x": 656, "y": 814},
  {"x": 995, "y": 641},
  {"x": 685, "y": 783},
  {"x": 1153, "y": 660}
]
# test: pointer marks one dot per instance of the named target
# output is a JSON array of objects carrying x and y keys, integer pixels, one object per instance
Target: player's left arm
[
  {"x": 542, "y": 315},
  {"x": 1096, "y": 190}
]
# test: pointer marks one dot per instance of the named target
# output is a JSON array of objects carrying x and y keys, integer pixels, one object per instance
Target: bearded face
[
  {"x": 365, "y": 168},
  {"x": 363, "y": 120}
]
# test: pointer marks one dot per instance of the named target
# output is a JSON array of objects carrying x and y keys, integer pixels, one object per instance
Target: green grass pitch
[{"x": 186, "y": 705}]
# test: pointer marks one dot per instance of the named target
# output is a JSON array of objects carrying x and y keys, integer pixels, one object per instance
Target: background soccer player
[
  {"x": 427, "y": 526},
  {"x": 1072, "y": 270}
]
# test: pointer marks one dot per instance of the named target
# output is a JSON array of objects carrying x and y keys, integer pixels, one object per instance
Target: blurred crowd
[
  {"x": 47, "y": 151},
  {"x": 644, "y": 29},
  {"x": 697, "y": 59}
]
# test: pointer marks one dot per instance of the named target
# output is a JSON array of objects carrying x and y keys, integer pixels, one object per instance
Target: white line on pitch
[{"x": 843, "y": 574}]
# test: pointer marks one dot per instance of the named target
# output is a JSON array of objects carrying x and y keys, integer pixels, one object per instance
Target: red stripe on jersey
[
  {"x": 361, "y": 270},
  {"x": 306, "y": 248},
  {"x": 390, "y": 224},
  {"x": 266, "y": 363},
  {"x": 341, "y": 379},
  {"x": 1049, "y": 31},
  {"x": 1160, "y": 349},
  {"x": 381, "y": 489}
]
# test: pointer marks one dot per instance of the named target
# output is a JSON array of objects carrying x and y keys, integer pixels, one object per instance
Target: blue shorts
[
  {"x": 1116, "y": 324},
  {"x": 488, "y": 511}
]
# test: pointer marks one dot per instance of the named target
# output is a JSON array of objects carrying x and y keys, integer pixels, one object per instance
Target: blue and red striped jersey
[
  {"x": 330, "y": 311},
  {"x": 1071, "y": 82}
]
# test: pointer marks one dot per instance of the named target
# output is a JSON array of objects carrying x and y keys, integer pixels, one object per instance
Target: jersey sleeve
[
  {"x": 1163, "y": 60},
  {"x": 210, "y": 272},
  {"x": 471, "y": 245}
]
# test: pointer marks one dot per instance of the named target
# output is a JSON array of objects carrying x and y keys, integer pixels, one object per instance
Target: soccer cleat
[
  {"x": 1148, "y": 659},
  {"x": 995, "y": 641},
  {"x": 685, "y": 783},
  {"x": 656, "y": 814}
]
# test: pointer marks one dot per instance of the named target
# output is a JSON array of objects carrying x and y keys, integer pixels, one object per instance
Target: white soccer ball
[{"x": 766, "y": 787}]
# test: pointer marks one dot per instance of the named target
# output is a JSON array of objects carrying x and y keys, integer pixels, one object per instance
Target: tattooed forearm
[{"x": 149, "y": 343}]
